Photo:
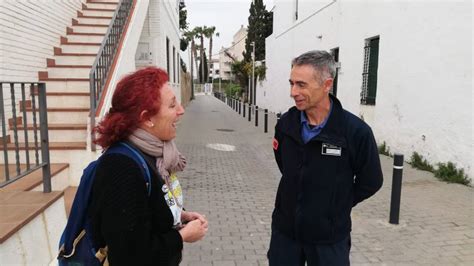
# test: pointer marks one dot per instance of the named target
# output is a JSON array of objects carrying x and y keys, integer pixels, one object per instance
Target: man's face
[{"x": 307, "y": 89}]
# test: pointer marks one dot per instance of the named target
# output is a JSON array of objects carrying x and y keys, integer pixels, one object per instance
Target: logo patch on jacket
[
  {"x": 275, "y": 144},
  {"x": 332, "y": 150}
]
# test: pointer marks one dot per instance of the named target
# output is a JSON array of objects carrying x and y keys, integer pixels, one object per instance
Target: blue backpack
[{"x": 76, "y": 245}]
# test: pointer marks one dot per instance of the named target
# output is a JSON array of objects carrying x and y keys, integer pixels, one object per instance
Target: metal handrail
[
  {"x": 40, "y": 90},
  {"x": 103, "y": 62}
]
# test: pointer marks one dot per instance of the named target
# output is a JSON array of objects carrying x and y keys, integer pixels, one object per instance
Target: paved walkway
[{"x": 236, "y": 191}]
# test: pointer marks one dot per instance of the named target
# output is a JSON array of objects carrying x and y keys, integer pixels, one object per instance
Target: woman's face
[{"x": 164, "y": 122}]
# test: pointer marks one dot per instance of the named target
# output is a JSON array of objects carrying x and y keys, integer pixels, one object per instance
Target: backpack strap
[{"x": 125, "y": 149}]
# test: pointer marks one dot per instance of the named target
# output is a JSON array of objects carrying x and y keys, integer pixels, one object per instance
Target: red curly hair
[{"x": 134, "y": 93}]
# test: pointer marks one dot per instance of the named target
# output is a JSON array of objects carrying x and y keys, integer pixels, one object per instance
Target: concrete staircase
[
  {"x": 68, "y": 101},
  {"x": 67, "y": 74}
]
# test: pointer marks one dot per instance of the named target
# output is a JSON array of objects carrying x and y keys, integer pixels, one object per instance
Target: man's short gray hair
[{"x": 320, "y": 60}]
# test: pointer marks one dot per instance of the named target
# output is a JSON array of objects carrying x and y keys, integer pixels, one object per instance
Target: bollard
[
  {"x": 396, "y": 188},
  {"x": 243, "y": 111},
  {"x": 265, "y": 120},
  {"x": 240, "y": 105},
  {"x": 250, "y": 112},
  {"x": 256, "y": 115}
]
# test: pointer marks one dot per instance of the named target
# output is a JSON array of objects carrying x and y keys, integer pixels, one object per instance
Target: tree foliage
[
  {"x": 183, "y": 26},
  {"x": 241, "y": 72},
  {"x": 260, "y": 27},
  {"x": 183, "y": 15}
]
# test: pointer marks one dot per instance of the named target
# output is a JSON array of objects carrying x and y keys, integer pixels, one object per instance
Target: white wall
[
  {"x": 30, "y": 30},
  {"x": 126, "y": 57},
  {"x": 163, "y": 22},
  {"x": 224, "y": 64},
  {"x": 238, "y": 45},
  {"x": 424, "y": 88}
]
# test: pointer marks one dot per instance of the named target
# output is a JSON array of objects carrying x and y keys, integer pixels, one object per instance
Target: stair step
[
  {"x": 69, "y": 194},
  {"x": 68, "y": 86},
  {"x": 107, "y": 6},
  {"x": 103, "y": 1},
  {"x": 67, "y": 100},
  {"x": 52, "y": 146},
  {"x": 85, "y": 39},
  {"x": 97, "y": 7},
  {"x": 90, "y": 25},
  {"x": 64, "y": 79},
  {"x": 31, "y": 180},
  {"x": 70, "y": 66},
  {"x": 80, "y": 48},
  {"x": 71, "y": 32},
  {"x": 94, "y": 13},
  {"x": 95, "y": 21},
  {"x": 57, "y": 126},
  {"x": 89, "y": 29},
  {"x": 61, "y": 116},
  {"x": 69, "y": 72},
  {"x": 57, "y": 133},
  {"x": 68, "y": 94},
  {"x": 21, "y": 207},
  {"x": 70, "y": 109}
]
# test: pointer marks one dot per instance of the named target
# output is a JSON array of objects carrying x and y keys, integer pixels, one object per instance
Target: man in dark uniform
[{"x": 329, "y": 163}]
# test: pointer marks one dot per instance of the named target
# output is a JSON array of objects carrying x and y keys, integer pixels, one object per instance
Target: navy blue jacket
[{"x": 323, "y": 179}]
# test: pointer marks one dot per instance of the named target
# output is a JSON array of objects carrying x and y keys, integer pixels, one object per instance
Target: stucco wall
[
  {"x": 163, "y": 22},
  {"x": 424, "y": 91}
]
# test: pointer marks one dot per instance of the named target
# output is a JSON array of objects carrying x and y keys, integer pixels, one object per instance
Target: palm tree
[
  {"x": 209, "y": 33},
  {"x": 200, "y": 33},
  {"x": 189, "y": 37}
]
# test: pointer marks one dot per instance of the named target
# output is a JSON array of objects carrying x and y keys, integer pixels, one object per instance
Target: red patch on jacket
[{"x": 275, "y": 144}]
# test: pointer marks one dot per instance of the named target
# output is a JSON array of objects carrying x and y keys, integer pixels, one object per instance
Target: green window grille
[{"x": 369, "y": 74}]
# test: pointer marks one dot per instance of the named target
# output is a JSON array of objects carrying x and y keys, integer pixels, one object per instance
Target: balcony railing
[
  {"x": 16, "y": 126},
  {"x": 104, "y": 61}
]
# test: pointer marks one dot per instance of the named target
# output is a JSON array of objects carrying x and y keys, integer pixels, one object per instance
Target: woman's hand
[
  {"x": 191, "y": 216},
  {"x": 193, "y": 231}
]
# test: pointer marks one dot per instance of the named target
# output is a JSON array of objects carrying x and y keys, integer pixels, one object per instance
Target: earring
[{"x": 151, "y": 124}]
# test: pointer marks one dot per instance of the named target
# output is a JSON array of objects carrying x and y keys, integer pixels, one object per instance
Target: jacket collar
[{"x": 332, "y": 133}]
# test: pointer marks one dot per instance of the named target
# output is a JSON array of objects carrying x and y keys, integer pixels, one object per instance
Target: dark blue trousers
[{"x": 285, "y": 251}]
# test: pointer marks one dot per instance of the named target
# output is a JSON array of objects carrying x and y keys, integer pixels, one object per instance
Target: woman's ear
[{"x": 145, "y": 119}]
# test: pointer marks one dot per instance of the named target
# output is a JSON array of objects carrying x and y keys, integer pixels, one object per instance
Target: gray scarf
[{"x": 168, "y": 158}]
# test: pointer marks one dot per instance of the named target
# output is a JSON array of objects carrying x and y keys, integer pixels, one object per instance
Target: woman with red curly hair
[{"x": 137, "y": 228}]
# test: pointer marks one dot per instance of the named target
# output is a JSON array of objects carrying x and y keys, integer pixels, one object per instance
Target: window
[
  {"x": 179, "y": 65},
  {"x": 369, "y": 74},
  {"x": 174, "y": 64},
  {"x": 335, "y": 54},
  {"x": 168, "y": 56}
]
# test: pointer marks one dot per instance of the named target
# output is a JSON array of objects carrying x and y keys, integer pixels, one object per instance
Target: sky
[{"x": 226, "y": 15}]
